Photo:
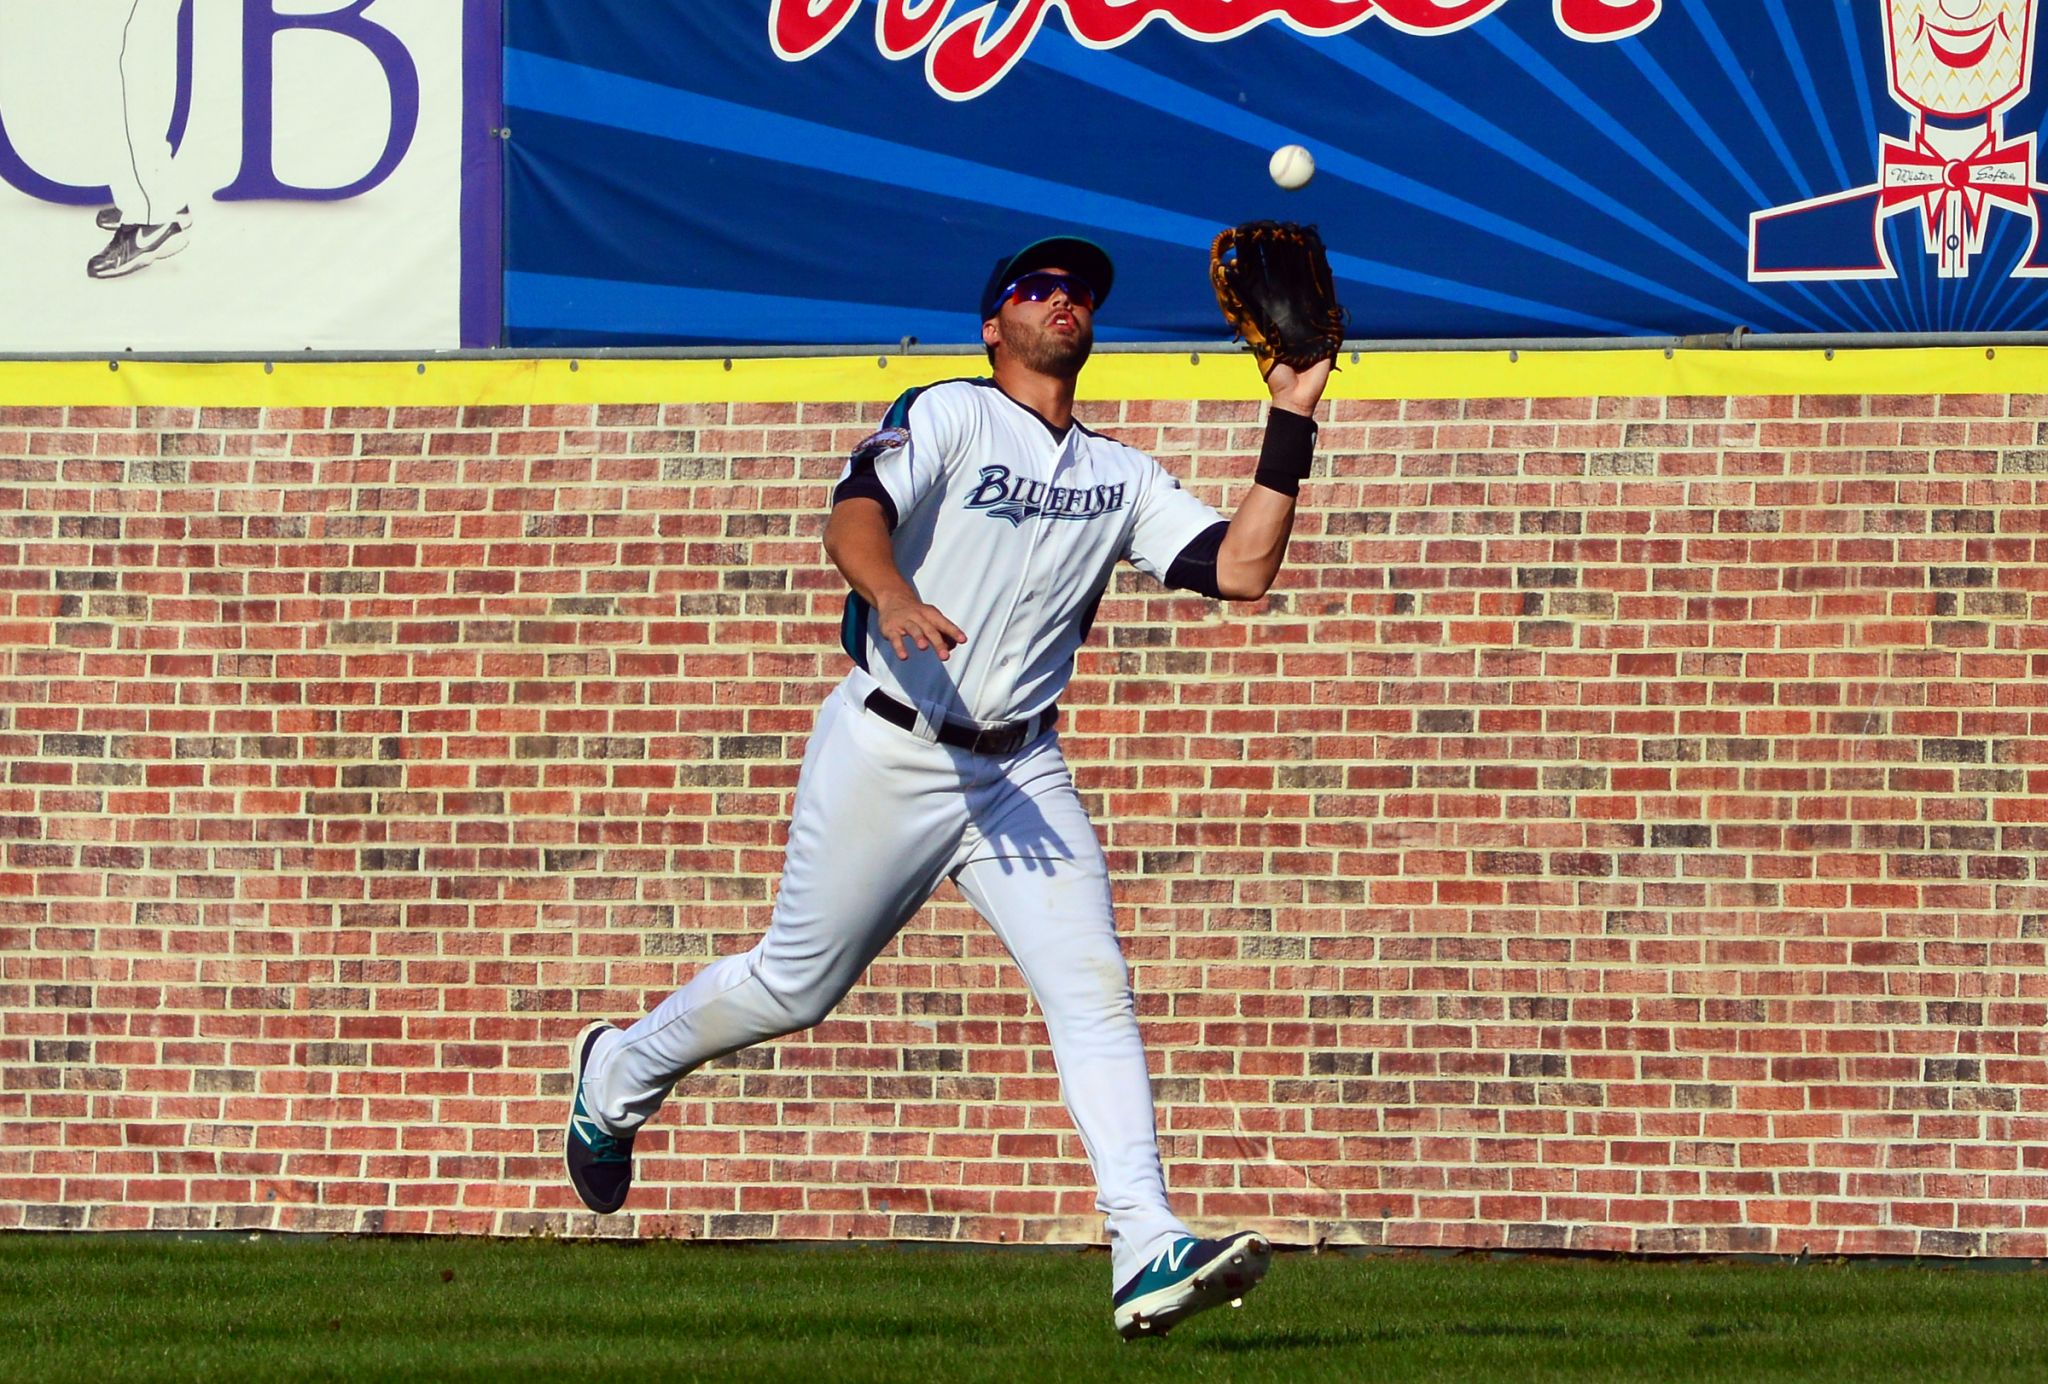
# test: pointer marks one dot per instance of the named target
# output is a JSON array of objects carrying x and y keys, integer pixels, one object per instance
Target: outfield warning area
[{"x": 1227, "y": 375}]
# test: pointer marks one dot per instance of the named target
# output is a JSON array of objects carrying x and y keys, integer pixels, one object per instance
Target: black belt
[{"x": 995, "y": 740}]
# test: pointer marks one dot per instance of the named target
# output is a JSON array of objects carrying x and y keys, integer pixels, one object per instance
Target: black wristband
[{"x": 1289, "y": 451}]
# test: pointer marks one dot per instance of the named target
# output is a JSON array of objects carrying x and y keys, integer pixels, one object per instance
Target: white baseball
[{"x": 1292, "y": 166}]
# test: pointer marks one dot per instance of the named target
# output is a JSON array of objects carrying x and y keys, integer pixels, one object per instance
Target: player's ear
[{"x": 990, "y": 333}]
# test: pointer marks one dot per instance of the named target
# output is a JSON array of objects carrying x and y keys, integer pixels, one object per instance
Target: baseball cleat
[
  {"x": 1190, "y": 1276},
  {"x": 600, "y": 1164}
]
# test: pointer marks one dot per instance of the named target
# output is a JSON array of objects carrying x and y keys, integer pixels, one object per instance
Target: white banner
[{"x": 247, "y": 175}]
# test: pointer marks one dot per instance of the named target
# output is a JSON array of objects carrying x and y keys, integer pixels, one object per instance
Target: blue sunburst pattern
[{"x": 672, "y": 181}]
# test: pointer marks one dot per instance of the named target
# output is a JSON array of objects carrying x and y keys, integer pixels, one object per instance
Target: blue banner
[{"x": 841, "y": 171}]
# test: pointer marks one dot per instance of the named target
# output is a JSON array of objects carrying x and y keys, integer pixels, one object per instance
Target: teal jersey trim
[{"x": 853, "y": 629}]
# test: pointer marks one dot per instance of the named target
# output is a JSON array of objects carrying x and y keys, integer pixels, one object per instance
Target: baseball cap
[{"x": 1083, "y": 258}]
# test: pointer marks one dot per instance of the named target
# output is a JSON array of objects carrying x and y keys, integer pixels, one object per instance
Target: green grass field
[{"x": 140, "y": 1308}]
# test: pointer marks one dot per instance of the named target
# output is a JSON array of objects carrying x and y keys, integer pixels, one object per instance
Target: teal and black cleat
[
  {"x": 600, "y": 1165},
  {"x": 1190, "y": 1276}
]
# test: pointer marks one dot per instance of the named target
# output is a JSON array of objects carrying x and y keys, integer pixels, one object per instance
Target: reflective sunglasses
[{"x": 1041, "y": 284}]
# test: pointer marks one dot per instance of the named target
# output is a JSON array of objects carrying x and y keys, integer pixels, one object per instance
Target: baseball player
[{"x": 978, "y": 530}]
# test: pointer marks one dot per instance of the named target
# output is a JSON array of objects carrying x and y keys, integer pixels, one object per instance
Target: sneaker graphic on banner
[{"x": 135, "y": 247}]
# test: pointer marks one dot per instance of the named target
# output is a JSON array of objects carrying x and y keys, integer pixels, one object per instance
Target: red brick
[{"x": 1569, "y": 855}]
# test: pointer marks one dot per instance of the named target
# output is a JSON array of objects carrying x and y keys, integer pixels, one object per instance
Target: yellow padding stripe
[{"x": 866, "y": 379}]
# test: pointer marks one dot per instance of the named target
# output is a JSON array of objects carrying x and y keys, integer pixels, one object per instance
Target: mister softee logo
[{"x": 1958, "y": 67}]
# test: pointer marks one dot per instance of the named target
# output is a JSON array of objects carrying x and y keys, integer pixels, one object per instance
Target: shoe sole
[
  {"x": 165, "y": 249},
  {"x": 1226, "y": 1278}
]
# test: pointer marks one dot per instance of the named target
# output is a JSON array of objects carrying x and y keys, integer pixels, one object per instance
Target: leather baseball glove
[{"x": 1272, "y": 280}]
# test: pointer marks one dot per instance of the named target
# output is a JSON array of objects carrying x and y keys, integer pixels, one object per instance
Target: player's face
[
  {"x": 1052, "y": 335},
  {"x": 1960, "y": 57}
]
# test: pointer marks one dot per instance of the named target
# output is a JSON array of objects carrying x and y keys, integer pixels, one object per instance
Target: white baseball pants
[{"x": 881, "y": 817}]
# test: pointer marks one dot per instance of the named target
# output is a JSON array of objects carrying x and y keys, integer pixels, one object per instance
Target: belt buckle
[{"x": 998, "y": 742}]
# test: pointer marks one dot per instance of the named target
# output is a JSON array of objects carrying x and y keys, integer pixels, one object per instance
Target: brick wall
[{"x": 1624, "y": 829}]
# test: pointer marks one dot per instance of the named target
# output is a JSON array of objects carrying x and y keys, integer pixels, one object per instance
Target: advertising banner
[
  {"x": 249, "y": 175},
  {"x": 841, "y": 171}
]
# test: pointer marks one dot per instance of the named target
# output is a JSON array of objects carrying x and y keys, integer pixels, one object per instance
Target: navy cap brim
[{"x": 1083, "y": 258}]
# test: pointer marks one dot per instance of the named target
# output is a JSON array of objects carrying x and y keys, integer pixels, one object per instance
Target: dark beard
[{"x": 1045, "y": 353}]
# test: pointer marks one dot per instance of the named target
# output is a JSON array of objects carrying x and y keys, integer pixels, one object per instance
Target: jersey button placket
[
  {"x": 1005, "y": 662},
  {"x": 1037, "y": 582}
]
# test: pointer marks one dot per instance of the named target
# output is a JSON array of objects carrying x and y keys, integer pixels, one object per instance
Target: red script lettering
[{"x": 968, "y": 53}]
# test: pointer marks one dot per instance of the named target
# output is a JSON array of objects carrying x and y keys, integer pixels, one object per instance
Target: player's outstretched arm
[
  {"x": 1256, "y": 544},
  {"x": 857, "y": 541}
]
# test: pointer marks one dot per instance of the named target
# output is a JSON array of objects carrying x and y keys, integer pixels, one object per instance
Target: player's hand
[
  {"x": 1299, "y": 391},
  {"x": 905, "y": 620}
]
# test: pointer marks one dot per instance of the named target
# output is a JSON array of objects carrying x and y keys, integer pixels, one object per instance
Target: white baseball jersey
[{"x": 1012, "y": 528}]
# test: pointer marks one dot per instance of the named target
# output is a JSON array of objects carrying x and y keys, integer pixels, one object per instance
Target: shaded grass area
[{"x": 283, "y": 1308}]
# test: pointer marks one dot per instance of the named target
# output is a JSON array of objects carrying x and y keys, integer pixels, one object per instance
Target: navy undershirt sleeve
[
  {"x": 1195, "y": 568},
  {"x": 866, "y": 485},
  {"x": 861, "y": 482}
]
